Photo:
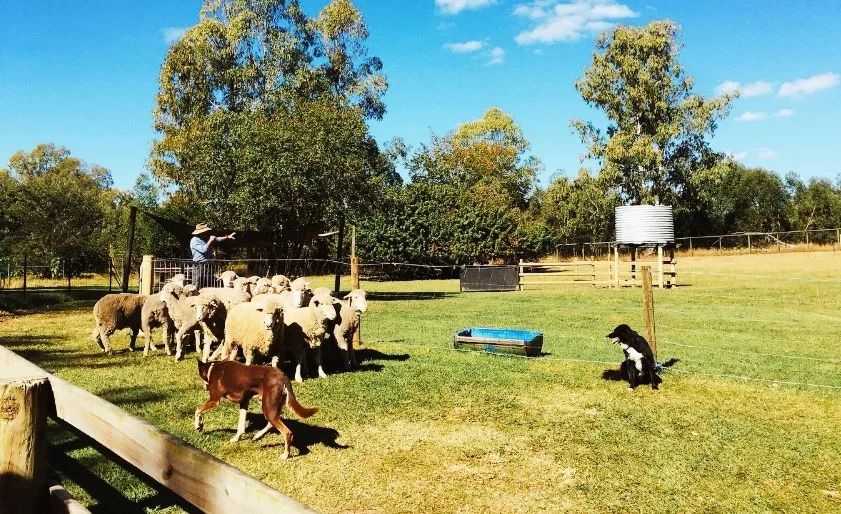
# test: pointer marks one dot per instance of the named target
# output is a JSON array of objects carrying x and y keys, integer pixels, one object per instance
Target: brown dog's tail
[{"x": 297, "y": 408}]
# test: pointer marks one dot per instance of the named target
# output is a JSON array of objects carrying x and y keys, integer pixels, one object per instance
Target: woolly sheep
[
  {"x": 115, "y": 312},
  {"x": 226, "y": 295},
  {"x": 255, "y": 328},
  {"x": 301, "y": 291},
  {"x": 305, "y": 328},
  {"x": 349, "y": 313},
  {"x": 179, "y": 279},
  {"x": 155, "y": 314},
  {"x": 193, "y": 314},
  {"x": 263, "y": 286},
  {"x": 227, "y": 278},
  {"x": 322, "y": 291},
  {"x": 242, "y": 284},
  {"x": 280, "y": 283},
  {"x": 285, "y": 299}
]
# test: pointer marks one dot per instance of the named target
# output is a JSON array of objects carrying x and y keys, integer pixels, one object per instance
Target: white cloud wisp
[{"x": 556, "y": 21}]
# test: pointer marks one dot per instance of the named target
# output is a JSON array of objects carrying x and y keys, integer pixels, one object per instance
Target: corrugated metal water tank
[{"x": 641, "y": 224}]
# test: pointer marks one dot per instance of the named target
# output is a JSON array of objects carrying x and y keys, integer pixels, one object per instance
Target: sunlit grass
[{"x": 424, "y": 428}]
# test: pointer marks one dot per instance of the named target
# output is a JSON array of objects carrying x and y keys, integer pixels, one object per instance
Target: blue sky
[{"x": 83, "y": 74}]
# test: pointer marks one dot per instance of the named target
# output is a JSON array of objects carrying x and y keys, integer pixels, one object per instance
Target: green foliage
[
  {"x": 60, "y": 204},
  {"x": 655, "y": 140},
  {"x": 262, "y": 116},
  {"x": 816, "y": 205},
  {"x": 580, "y": 210},
  {"x": 750, "y": 199}
]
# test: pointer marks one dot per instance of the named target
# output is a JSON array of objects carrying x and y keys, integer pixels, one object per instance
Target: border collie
[{"x": 639, "y": 365}]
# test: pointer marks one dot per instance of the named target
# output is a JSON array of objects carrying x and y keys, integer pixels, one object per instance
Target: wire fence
[{"x": 824, "y": 239}]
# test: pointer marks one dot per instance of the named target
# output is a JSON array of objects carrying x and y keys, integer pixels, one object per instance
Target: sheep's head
[
  {"x": 263, "y": 286},
  {"x": 227, "y": 278},
  {"x": 189, "y": 290},
  {"x": 271, "y": 316},
  {"x": 356, "y": 299},
  {"x": 205, "y": 307},
  {"x": 324, "y": 306},
  {"x": 178, "y": 279},
  {"x": 280, "y": 283}
]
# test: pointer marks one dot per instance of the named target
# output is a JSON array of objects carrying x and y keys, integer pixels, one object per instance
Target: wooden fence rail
[
  {"x": 196, "y": 476},
  {"x": 556, "y": 273}
]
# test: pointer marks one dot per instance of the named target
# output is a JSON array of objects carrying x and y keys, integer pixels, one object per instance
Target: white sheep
[
  {"x": 179, "y": 279},
  {"x": 257, "y": 329},
  {"x": 263, "y": 286},
  {"x": 195, "y": 314},
  {"x": 155, "y": 314},
  {"x": 228, "y": 296},
  {"x": 280, "y": 283},
  {"x": 227, "y": 278},
  {"x": 305, "y": 328},
  {"x": 322, "y": 291},
  {"x": 301, "y": 291},
  {"x": 115, "y": 312},
  {"x": 242, "y": 284},
  {"x": 349, "y": 314}
]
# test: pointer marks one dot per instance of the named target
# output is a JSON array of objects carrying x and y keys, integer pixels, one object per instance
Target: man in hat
[{"x": 202, "y": 254}]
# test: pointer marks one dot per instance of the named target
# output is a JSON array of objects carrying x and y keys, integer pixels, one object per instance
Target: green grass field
[{"x": 747, "y": 421}]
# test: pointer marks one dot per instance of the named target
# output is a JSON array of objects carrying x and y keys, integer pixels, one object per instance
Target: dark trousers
[{"x": 203, "y": 274}]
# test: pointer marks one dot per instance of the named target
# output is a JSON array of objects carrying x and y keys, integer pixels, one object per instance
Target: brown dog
[{"x": 239, "y": 383}]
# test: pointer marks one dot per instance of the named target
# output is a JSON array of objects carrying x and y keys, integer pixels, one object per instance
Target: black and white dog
[{"x": 638, "y": 366}]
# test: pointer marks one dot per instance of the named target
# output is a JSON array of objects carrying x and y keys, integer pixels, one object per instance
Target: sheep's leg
[
  {"x": 243, "y": 412},
  {"x": 221, "y": 353},
  {"x": 106, "y": 343},
  {"x": 351, "y": 356},
  {"x": 179, "y": 340},
  {"x": 96, "y": 338},
  {"x": 169, "y": 336},
  {"x": 133, "y": 340},
  {"x": 249, "y": 355},
  {"x": 276, "y": 361},
  {"x": 147, "y": 341},
  {"x": 321, "y": 373},
  {"x": 301, "y": 357},
  {"x": 342, "y": 343}
]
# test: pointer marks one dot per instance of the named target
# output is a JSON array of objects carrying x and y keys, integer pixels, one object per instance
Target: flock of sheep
[{"x": 262, "y": 317}]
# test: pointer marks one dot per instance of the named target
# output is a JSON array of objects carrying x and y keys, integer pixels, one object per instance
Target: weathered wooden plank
[
  {"x": 61, "y": 502},
  {"x": 200, "y": 478}
]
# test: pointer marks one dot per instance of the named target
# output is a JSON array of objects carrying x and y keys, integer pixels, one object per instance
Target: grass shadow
[
  {"x": 418, "y": 295},
  {"x": 109, "y": 497}
]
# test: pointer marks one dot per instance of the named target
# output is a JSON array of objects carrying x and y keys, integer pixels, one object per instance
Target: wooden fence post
[
  {"x": 23, "y": 445},
  {"x": 354, "y": 284},
  {"x": 749, "y": 244},
  {"x": 660, "y": 265},
  {"x": 520, "y": 275},
  {"x": 132, "y": 219},
  {"x": 691, "y": 251},
  {"x": 146, "y": 275},
  {"x": 648, "y": 309},
  {"x": 24, "y": 273},
  {"x": 616, "y": 266}
]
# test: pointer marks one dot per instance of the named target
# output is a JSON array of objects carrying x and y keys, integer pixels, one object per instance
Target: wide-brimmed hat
[{"x": 201, "y": 228}]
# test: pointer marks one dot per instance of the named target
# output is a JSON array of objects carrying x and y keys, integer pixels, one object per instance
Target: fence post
[
  {"x": 520, "y": 277},
  {"x": 648, "y": 309},
  {"x": 616, "y": 265},
  {"x": 691, "y": 250},
  {"x": 660, "y": 265},
  {"x": 749, "y": 244},
  {"x": 25, "y": 257},
  {"x": 23, "y": 422},
  {"x": 132, "y": 218},
  {"x": 68, "y": 270},
  {"x": 339, "y": 253},
  {"x": 146, "y": 275}
]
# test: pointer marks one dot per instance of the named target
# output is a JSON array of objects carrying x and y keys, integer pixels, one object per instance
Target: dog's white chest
[{"x": 633, "y": 355}]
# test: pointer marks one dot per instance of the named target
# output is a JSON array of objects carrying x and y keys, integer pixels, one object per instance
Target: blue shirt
[{"x": 201, "y": 250}]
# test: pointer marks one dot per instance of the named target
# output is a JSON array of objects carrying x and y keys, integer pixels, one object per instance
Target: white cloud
[
  {"x": 456, "y": 6},
  {"x": 497, "y": 56},
  {"x": 173, "y": 34},
  {"x": 466, "y": 47},
  {"x": 556, "y": 21},
  {"x": 758, "y": 88},
  {"x": 803, "y": 87},
  {"x": 766, "y": 154},
  {"x": 752, "y": 116},
  {"x": 784, "y": 113},
  {"x": 738, "y": 156}
]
